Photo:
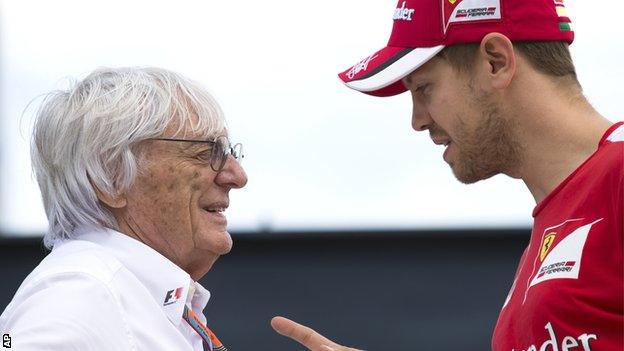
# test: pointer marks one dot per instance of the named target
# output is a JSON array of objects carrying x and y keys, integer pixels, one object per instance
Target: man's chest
[{"x": 568, "y": 289}]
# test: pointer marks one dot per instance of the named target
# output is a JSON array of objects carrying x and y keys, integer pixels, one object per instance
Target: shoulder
[
  {"x": 608, "y": 172},
  {"x": 68, "y": 303},
  {"x": 608, "y": 161},
  {"x": 604, "y": 174},
  {"x": 611, "y": 150},
  {"x": 74, "y": 260}
]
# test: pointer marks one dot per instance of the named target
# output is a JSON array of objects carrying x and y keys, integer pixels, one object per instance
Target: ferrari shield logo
[
  {"x": 547, "y": 245},
  {"x": 452, "y": 2}
]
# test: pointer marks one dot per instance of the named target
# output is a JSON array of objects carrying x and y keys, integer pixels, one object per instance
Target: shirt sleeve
[{"x": 68, "y": 311}]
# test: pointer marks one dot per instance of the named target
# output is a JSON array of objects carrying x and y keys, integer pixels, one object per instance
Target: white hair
[{"x": 88, "y": 136}]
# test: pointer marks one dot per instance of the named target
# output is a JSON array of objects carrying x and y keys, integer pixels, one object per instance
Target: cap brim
[{"x": 380, "y": 74}]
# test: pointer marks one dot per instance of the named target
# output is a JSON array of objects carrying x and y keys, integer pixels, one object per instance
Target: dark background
[{"x": 418, "y": 290}]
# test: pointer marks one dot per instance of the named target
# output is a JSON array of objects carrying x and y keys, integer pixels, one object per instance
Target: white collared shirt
[{"x": 104, "y": 291}]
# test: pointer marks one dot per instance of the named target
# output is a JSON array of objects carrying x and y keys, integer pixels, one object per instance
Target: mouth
[
  {"x": 216, "y": 207},
  {"x": 444, "y": 141},
  {"x": 441, "y": 141},
  {"x": 216, "y": 211}
]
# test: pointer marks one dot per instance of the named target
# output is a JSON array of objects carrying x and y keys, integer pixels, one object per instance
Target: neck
[{"x": 558, "y": 134}]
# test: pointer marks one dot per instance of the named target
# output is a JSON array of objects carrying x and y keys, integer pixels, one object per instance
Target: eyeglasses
[{"x": 221, "y": 148}]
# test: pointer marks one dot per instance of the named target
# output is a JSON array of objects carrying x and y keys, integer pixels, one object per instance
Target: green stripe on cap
[{"x": 565, "y": 26}]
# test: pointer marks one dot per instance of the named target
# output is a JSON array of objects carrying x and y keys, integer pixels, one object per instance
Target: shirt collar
[{"x": 170, "y": 286}]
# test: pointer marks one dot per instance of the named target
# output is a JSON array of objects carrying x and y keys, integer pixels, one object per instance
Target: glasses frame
[{"x": 231, "y": 150}]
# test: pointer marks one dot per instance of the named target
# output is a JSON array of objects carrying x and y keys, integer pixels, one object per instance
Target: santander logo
[
  {"x": 562, "y": 344},
  {"x": 402, "y": 13}
]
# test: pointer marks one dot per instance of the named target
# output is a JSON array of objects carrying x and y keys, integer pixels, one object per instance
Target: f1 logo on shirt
[{"x": 173, "y": 296}]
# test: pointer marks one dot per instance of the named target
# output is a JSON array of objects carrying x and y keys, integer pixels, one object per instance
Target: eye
[
  {"x": 422, "y": 89},
  {"x": 205, "y": 155}
]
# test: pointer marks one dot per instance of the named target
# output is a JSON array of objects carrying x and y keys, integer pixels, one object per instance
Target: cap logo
[
  {"x": 360, "y": 66},
  {"x": 402, "y": 13},
  {"x": 457, "y": 11}
]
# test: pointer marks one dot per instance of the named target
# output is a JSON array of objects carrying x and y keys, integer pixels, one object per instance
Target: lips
[
  {"x": 215, "y": 212},
  {"x": 445, "y": 141},
  {"x": 441, "y": 141},
  {"x": 445, "y": 154},
  {"x": 216, "y": 207}
]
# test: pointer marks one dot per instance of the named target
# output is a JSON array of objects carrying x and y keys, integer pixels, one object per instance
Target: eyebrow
[
  {"x": 414, "y": 76},
  {"x": 407, "y": 80},
  {"x": 196, "y": 147},
  {"x": 192, "y": 147},
  {"x": 410, "y": 79}
]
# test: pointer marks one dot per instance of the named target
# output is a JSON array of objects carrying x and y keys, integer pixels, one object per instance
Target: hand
[{"x": 306, "y": 336}]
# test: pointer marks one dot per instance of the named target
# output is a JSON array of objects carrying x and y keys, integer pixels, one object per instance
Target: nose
[
  {"x": 232, "y": 175},
  {"x": 421, "y": 119}
]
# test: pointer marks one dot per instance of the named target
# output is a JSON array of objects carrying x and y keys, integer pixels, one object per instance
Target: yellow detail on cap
[
  {"x": 547, "y": 245},
  {"x": 562, "y": 11},
  {"x": 452, "y": 2}
]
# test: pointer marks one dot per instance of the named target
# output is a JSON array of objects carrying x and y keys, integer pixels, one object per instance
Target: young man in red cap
[{"x": 493, "y": 81}]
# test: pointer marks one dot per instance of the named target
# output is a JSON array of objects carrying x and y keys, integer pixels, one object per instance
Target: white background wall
[{"x": 318, "y": 155}]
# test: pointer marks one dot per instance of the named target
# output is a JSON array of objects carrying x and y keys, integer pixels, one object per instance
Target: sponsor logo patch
[
  {"x": 458, "y": 11},
  {"x": 546, "y": 245},
  {"x": 560, "y": 255},
  {"x": 567, "y": 342}
]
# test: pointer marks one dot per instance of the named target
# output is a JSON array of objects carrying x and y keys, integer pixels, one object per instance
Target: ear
[
  {"x": 499, "y": 59},
  {"x": 116, "y": 202}
]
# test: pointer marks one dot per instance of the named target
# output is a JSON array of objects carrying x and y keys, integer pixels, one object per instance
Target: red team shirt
[{"x": 568, "y": 293}]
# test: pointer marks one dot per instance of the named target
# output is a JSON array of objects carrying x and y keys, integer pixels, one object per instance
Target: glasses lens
[
  {"x": 237, "y": 152},
  {"x": 219, "y": 153}
]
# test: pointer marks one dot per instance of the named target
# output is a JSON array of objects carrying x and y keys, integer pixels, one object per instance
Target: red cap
[{"x": 422, "y": 28}]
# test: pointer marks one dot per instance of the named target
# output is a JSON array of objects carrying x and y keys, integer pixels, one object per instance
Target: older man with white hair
[{"x": 135, "y": 167}]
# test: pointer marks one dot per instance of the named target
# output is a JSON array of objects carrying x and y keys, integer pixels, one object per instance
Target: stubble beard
[{"x": 488, "y": 148}]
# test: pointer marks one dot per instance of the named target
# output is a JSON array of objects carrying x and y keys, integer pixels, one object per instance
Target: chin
[
  {"x": 218, "y": 242},
  {"x": 471, "y": 176},
  {"x": 225, "y": 247}
]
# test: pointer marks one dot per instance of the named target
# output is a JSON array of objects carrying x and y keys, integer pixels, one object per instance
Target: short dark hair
[{"x": 548, "y": 57}]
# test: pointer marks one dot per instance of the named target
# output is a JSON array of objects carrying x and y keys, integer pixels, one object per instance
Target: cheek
[
  {"x": 442, "y": 107},
  {"x": 171, "y": 189},
  {"x": 162, "y": 191},
  {"x": 195, "y": 182},
  {"x": 165, "y": 185}
]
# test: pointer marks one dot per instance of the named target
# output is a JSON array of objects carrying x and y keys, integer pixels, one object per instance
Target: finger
[{"x": 304, "y": 335}]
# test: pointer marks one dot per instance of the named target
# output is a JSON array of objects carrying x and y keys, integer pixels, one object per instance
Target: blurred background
[{"x": 350, "y": 221}]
